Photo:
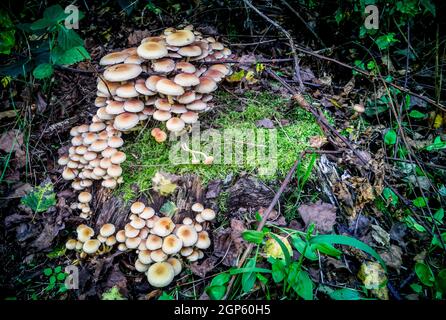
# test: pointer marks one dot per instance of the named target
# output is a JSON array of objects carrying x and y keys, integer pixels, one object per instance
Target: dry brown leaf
[{"x": 323, "y": 215}]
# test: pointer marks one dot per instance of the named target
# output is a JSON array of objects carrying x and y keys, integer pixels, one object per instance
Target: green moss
[{"x": 146, "y": 157}]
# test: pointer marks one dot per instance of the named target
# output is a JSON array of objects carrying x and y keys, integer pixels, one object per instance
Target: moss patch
[{"x": 293, "y": 128}]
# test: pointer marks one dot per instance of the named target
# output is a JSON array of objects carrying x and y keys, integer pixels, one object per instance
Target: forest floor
[{"x": 351, "y": 175}]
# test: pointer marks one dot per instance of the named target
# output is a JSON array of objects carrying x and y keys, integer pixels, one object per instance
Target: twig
[{"x": 290, "y": 40}]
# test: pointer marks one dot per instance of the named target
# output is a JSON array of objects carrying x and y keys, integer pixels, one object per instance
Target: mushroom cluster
[
  {"x": 160, "y": 244},
  {"x": 87, "y": 245},
  {"x": 169, "y": 77}
]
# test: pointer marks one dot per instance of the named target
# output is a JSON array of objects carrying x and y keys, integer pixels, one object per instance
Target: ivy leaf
[
  {"x": 390, "y": 196},
  {"x": 67, "y": 57},
  {"x": 168, "y": 209},
  {"x": 390, "y": 137},
  {"x": 385, "y": 41},
  {"x": 68, "y": 38},
  {"x": 43, "y": 70},
  {"x": 420, "y": 202},
  {"x": 40, "y": 199}
]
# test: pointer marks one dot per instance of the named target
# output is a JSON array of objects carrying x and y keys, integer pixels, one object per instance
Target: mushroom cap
[
  {"x": 132, "y": 243},
  {"x": 98, "y": 146},
  {"x": 197, "y": 207},
  {"x": 152, "y": 81},
  {"x": 203, "y": 241},
  {"x": 96, "y": 126},
  {"x": 193, "y": 256},
  {"x": 190, "y": 51},
  {"x": 147, "y": 213},
  {"x": 163, "y": 65},
  {"x": 178, "y": 108},
  {"x": 186, "y": 251},
  {"x": 107, "y": 87},
  {"x": 110, "y": 241},
  {"x": 127, "y": 90},
  {"x": 199, "y": 218},
  {"x": 153, "y": 39},
  {"x": 140, "y": 266},
  {"x": 122, "y": 72},
  {"x": 172, "y": 244},
  {"x": 189, "y": 117},
  {"x": 161, "y": 115},
  {"x": 71, "y": 244},
  {"x": 206, "y": 85},
  {"x": 187, "y": 221},
  {"x": 180, "y": 38},
  {"x": 107, "y": 230},
  {"x": 185, "y": 67},
  {"x": 187, "y": 97},
  {"x": 160, "y": 274},
  {"x": 91, "y": 246},
  {"x": 141, "y": 88},
  {"x": 133, "y": 105},
  {"x": 208, "y": 214},
  {"x": 113, "y": 58},
  {"x": 137, "y": 207},
  {"x": 138, "y": 223},
  {"x": 221, "y": 68},
  {"x": 168, "y": 87},
  {"x": 109, "y": 183},
  {"x": 118, "y": 157},
  {"x": 176, "y": 264},
  {"x": 115, "y": 142},
  {"x": 214, "y": 74},
  {"x": 99, "y": 102},
  {"x": 144, "y": 256},
  {"x": 162, "y": 104},
  {"x": 63, "y": 160},
  {"x": 158, "y": 255},
  {"x": 126, "y": 121},
  {"x": 120, "y": 236},
  {"x": 84, "y": 197},
  {"x": 134, "y": 58},
  {"x": 122, "y": 247},
  {"x": 163, "y": 227},
  {"x": 197, "y": 105},
  {"x": 186, "y": 79},
  {"x": 187, "y": 234},
  {"x": 175, "y": 124},
  {"x": 153, "y": 242},
  {"x": 114, "y": 170},
  {"x": 130, "y": 231},
  {"x": 152, "y": 50}
]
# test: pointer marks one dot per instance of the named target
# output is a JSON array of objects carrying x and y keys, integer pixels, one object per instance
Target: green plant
[
  {"x": 48, "y": 43},
  {"x": 434, "y": 283},
  {"x": 56, "y": 279},
  {"x": 40, "y": 199},
  {"x": 112, "y": 294}
]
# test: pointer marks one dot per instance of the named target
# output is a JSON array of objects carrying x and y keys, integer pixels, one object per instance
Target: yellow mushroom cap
[
  {"x": 137, "y": 207},
  {"x": 197, "y": 207},
  {"x": 163, "y": 227},
  {"x": 203, "y": 241},
  {"x": 152, "y": 50},
  {"x": 208, "y": 214},
  {"x": 91, "y": 246},
  {"x": 144, "y": 256},
  {"x": 107, "y": 230},
  {"x": 176, "y": 264},
  {"x": 187, "y": 234},
  {"x": 158, "y": 255},
  {"x": 160, "y": 274},
  {"x": 132, "y": 243},
  {"x": 71, "y": 244},
  {"x": 180, "y": 38},
  {"x": 85, "y": 234},
  {"x": 153, "y": 242},
  {"x": 122, "y": 72},
  {"x": 147, "y": 213},
  {"x": 172, "y": 244}
]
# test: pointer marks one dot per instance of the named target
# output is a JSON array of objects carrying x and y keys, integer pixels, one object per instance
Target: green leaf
[
  {"x": 169, "y": 209},
  {"x": 63, "y": 288},
  {"x": 341, "y": 294},
  {"x": 285, "y": 250},
  {"x": 58, "y": 269},
  {"x": 390, "y": 196},
  {"x": 437, "y": 145},
  {"x": 68, "y": 38},
  {"x": 165, "y": 296},
  {"x": 53, "y": 279},
  {"x": 439, "y": 215},
  {"x": 429, "y": 6},
  {"x": 417, "y": 114},
  {"x": 47, "y": 271},
  {"x": 440, "y": 283},
  {"x": 253, "y": 236},
  {"x": 390, "y": 137},
  {"x": 42, "y": 71},
  {"x": 328, "y": 249},
  {"x": 385, "y": 41},
  {"x": 61, "y": 276},
  {"x": 249, "y": 278},
  {"x": 416, "y": 287},
  {"x": 420, "y": 202},
  {"x": 221, "y": 279},
  {"x": 425, "y": 274},
  {"x": 40, "y": 199},
  {"x": 7, "y": 33},
  {"x": 216, "y": 292},
  {"x": 348, "y": 241},
  {"x": 112, "y": 294},
  {"x": 278, "y": 270},
  {"x": 70, "y": 56},
  {"x": 300, "y": 245},
  {"x": 301, "y": 283}
]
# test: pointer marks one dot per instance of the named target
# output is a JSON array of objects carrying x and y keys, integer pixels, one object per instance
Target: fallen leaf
[
  {"x": 201, "y": 268},
  {"x": 374, "y": 278},
  {"x": 317, "y": 141},
  {"x": 265, "y": 123},
  {"x": 380, "y": 236},
  {"x": 392, "y": 256},
  {"x": 162, "y": 184},
  {"x": 323, "y": 215}
]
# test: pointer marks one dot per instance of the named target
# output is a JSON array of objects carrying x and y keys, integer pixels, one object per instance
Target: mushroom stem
[
  {"x": 193, "y": 152},
  {"x": 170, "y": 99}
]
